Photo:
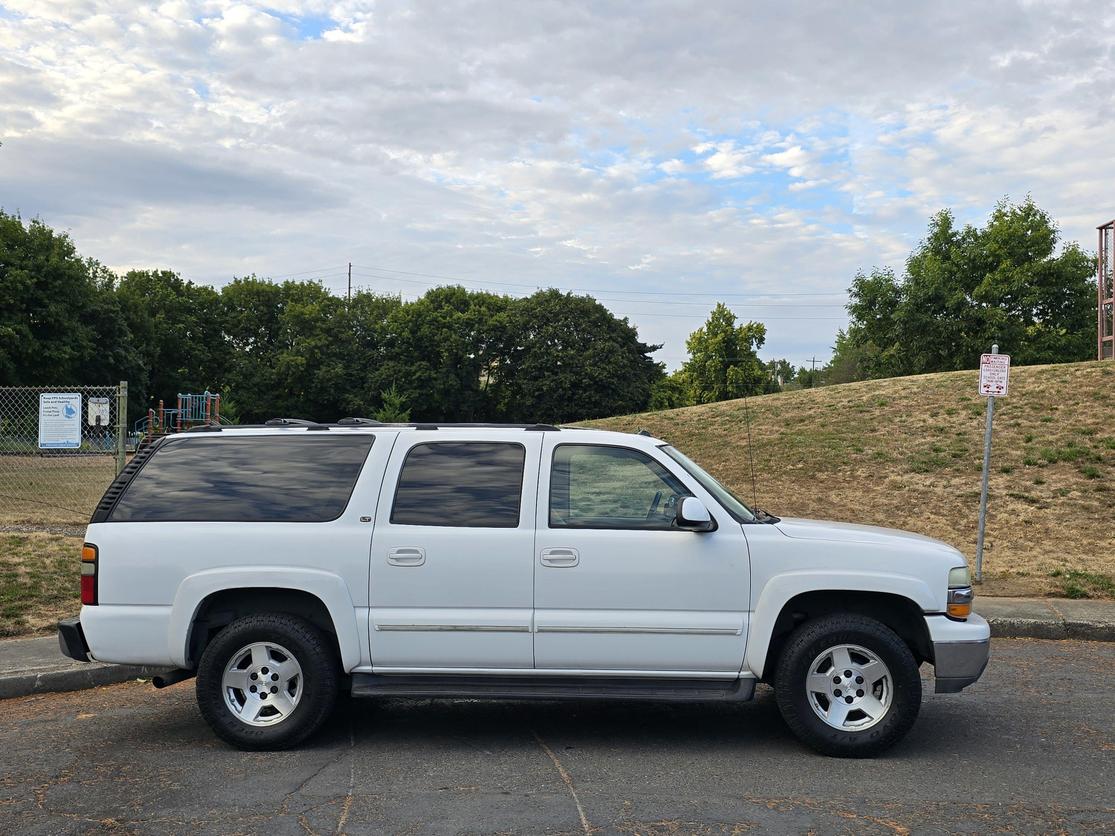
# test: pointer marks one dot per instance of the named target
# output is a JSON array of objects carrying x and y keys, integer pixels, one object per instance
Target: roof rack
[
  {"x": 290, "y": 422},
  {"x": 303, "y": 423}
]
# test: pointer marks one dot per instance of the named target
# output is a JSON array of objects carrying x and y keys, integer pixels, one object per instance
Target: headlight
[
  {"x": 960, "y": 576},
  {"x": 960, "y": 593}
]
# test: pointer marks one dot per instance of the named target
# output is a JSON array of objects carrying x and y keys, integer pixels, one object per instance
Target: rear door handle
[
  {"x": 408, "y": 556},
  {"x": 560, "y": 558}
]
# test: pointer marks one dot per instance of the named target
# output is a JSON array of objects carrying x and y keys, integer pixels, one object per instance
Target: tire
[
  {"x": 849, "y": 717},
  {"x": 267, "y": 682}
]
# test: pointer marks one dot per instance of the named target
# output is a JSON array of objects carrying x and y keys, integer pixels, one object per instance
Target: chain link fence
[{"x": 60, "y": 447}]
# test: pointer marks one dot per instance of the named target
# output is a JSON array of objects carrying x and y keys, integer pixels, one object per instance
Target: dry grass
[
  {"x": 39, "y": 581},
  {"x": 907, "y": 453},
  {"x": 58, "y": 489}
]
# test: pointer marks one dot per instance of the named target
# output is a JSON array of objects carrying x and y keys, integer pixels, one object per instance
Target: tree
[
  {"x": 177, "y": 329},
  {"x": 809, "y": 378},
  {"x": 723, "y": 362},
  {"x": 290, "y": 349},
  {"x": 59, "y": 320},
  {"x": 780, "y": 372},
  {"x": 394, "y": 409},
  {"x": 442, "y": 351},
  {"x": 964, "y": 289},
  {"x": 567, "y": 358},
  {"x": 671, "y": 392}
]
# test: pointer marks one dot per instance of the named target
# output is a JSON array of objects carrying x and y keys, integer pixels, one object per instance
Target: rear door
[
  {"x": 451, "y": 584},
  {"x": 617, "y": 587}
]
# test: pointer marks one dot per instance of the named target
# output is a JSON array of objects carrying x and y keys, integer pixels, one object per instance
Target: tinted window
[
  {"x": 467, "y": 483},
  {"x": 255, "y": 479},
  {"x": 611, "y": 487}
]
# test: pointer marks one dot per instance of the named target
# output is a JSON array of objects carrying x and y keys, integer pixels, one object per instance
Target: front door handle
[
  {"x": 407, "y": 556},
  {"x": 560, "y": 558}
]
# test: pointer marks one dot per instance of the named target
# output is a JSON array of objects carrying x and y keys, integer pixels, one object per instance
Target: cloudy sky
[{"x": 660, "y": 155}]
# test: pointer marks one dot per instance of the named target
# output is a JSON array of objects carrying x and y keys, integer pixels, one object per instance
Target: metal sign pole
[{"x": 986, "y": 471}]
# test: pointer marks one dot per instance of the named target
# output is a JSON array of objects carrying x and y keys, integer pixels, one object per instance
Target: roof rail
[
  {"x": 359, "y": 422},
  {"x": 290, "y": 422},
  {"x": 303, "y": 423},
  {"x": 441, "y": 425}
]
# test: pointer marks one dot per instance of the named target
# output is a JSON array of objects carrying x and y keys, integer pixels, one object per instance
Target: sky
[{"x": 660, "y": 156}]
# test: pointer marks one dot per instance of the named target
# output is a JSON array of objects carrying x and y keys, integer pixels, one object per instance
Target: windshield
[{"x": 726, "y": 498}]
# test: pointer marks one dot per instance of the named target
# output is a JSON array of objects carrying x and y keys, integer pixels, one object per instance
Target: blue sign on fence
[{"x": 59, "y": 420}]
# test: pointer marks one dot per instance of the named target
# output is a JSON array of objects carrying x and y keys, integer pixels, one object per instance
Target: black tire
[
  {"x": 814, "y": 638},
  {"x": 314, "y": 653}
]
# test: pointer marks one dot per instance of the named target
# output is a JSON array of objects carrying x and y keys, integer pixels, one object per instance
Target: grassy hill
[{"x": 907, "y": 452}]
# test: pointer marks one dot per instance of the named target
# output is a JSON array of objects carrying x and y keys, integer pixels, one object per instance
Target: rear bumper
[
  {"x": 71, "y": 640},
  {"x": 961, "y": 650}
]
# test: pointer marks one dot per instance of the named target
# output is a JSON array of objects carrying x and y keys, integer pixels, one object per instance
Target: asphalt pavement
[{"x": 1029, "y": 748}]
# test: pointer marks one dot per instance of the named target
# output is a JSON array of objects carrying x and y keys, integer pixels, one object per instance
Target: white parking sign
[{"x": 994, "y": 374}]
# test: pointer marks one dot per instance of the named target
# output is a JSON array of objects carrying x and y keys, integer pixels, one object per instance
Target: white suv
[{"x": 282, "y": 562}]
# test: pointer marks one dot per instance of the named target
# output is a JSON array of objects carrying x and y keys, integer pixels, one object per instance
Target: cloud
[{"x": 752, "y": 149}]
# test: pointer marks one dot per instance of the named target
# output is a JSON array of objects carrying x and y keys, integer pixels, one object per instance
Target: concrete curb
[
  {"x": 1006, "y": 627},
  {"x": 72, "y": 679}
]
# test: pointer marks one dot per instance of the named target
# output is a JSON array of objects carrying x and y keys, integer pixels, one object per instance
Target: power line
[
  {"x": 373, "y": 270},
  {"x": 305, "y": 272}
]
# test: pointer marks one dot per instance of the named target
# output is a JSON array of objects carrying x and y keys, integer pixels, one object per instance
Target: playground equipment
[
  {"x": 192, "y": 410},
  {"x": 1105, "y": 282}
]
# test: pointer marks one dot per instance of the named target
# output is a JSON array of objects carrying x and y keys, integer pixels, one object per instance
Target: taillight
[{"x": 88, "y": 574}]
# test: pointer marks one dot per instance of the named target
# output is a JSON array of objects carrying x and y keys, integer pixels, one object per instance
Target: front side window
[
  {"x": 594, "y": 486},
  {"x": 249, "y": 479},
  {"x": 470, "y": 484}
]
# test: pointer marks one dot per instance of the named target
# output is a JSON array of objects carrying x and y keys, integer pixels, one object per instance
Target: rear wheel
[
  {"x": 848, "y": 686},
  {"x": 267, "y": 681}
]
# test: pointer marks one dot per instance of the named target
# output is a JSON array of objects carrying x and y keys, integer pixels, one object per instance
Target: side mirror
[{"x": 692, "y": 515}]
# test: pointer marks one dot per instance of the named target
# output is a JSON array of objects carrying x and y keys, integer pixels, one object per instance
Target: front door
[
  {"x": 451, "y": 584},
  {"x": 618, "y": 588}
]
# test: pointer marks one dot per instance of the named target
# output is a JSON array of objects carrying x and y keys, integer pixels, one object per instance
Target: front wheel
[
  {"x": 267, "y": 681},
  {"x": 848, "y": 686}
]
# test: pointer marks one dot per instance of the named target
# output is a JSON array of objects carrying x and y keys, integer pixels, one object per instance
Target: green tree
[
  {"x": 567, "y": 358},
  {"x": 781, "y": 373},
  {"x": 723, "y": 362},
  {"x": 808, "y": 378},
  {"x": 671, "y": 392},
  {"x": 964, "y": 289},
  {"x": 177, "y": 331},
  {"x": 851, "y": 360},
  {"x": 291, "y": 351},
  {"x": 442, "y": 351},
  {"x": 59, "y": 319},
  {"x": 394, "y": 409}
]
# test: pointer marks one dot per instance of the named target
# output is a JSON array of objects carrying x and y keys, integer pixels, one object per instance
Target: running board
[{"x": 551, "y": 687}]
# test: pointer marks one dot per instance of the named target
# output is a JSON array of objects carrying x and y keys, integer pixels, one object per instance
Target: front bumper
[
  {"x": 71, "y": 640},
  {"x": 960, "y": 651}
]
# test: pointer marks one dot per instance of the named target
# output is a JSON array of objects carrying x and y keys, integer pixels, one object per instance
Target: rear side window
[
  {"x": 253, "y": 479},
  {"x": 468, "y": 484}
]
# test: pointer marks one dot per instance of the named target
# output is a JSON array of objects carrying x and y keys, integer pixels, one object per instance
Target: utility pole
[
  {"x": 813, "y": 375},
  {"x": 350, "y": 281}
]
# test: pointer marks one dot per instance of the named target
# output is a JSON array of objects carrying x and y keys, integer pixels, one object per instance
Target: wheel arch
[
  {"x": 210, "y": 600},
  {"x": 900, "y": 603}
]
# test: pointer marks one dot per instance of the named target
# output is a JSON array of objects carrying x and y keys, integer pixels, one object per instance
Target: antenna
[{"x": 750, "y": 451}]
